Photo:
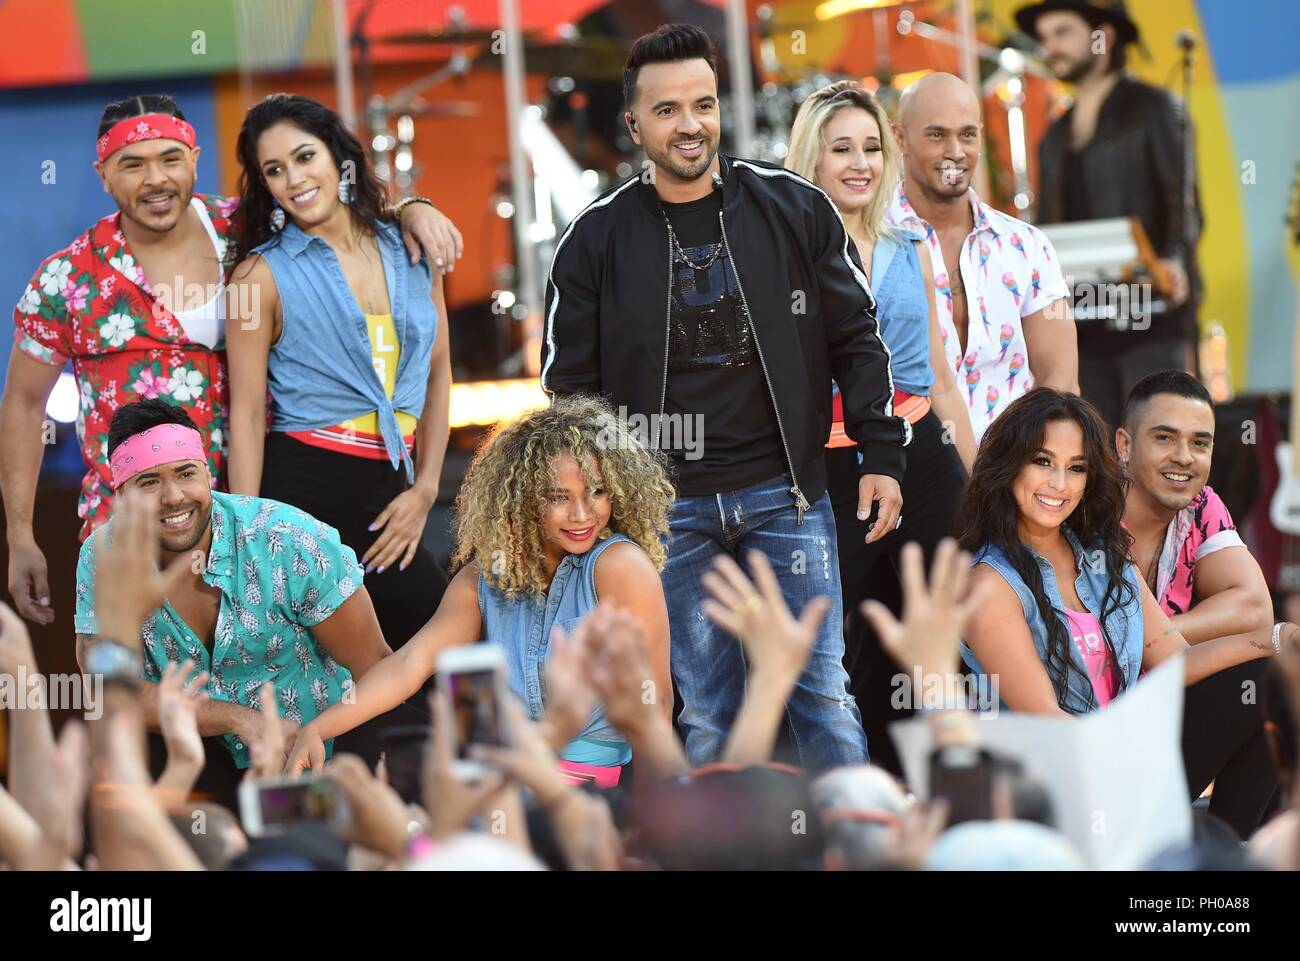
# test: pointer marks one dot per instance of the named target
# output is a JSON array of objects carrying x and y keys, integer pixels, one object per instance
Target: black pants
[
  {"x": 932, "y": 490},
  {"x": 348, "y": 493},
  {"x": 1224, "y": 742}
]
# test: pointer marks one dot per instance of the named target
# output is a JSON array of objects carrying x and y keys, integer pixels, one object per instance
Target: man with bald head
[{"x": 1003, "y": 311}]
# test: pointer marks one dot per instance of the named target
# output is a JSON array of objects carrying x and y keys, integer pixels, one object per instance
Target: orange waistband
[{"x": 911, "y": 407}]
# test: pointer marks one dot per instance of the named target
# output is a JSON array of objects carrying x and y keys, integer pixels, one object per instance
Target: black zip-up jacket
[{"x": 609, "y": 295}]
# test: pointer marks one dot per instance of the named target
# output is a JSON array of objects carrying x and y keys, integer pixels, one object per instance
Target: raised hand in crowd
[
  {"x": 49, "y": 837},
  {"x": 379, "y": 820},
  {"x": 130, "y": 829},
  {"x": 48, "y": 779},
  {"x": 20, "y": 836},
  {"x": 926, "y": 641},
  {"x": 570, "y": 696},
  {"x": 908, "y": 845},
  {"x": 269, "y": 736},
  {"x": 15, "y": 642},
  {"x": 450, "y": 802},
  {"x": 31, "y": 778},
  {"x": 128, "y": 584},
  {"x": 933, "y": 616},
  {"x": 581, "y": 822},
  {"x": 178, "y": 701},
  {"x": 62, "y": 818},
  {"x": 776, "y": 645},
  {"x": 621, "y": 675}
]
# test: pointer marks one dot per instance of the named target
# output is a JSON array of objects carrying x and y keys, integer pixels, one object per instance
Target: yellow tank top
[{"x": 385, "y": 352}]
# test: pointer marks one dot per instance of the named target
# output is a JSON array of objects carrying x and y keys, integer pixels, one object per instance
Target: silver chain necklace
[{"x": 681, "y": 254}]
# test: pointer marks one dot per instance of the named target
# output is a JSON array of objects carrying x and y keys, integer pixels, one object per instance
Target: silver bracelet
[{"x": 1277, "y": 638}]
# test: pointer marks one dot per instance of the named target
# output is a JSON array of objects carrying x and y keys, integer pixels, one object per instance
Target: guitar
[{"x": 1284, "y": 510}]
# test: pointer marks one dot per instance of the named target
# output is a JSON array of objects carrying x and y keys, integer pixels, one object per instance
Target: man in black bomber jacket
[{"x": 711, "y": 300}]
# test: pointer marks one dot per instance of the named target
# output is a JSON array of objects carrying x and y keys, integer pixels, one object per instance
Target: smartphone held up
[
  {"x": 473, "y": 682},
  {"x": 275, "y": 805}
]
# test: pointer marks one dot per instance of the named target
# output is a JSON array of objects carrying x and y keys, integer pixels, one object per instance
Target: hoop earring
[{"x": 277, "y": 217}]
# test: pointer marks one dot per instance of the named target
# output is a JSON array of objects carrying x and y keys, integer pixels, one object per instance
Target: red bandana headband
[
  {"x": 151, "y": 126},
  {"x": 164, "y": 444}
]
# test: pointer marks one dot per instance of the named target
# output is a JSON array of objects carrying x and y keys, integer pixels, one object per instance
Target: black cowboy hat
[{"x": 1096, "y": 12}]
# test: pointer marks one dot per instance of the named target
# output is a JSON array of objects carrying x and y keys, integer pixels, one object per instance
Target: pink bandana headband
[
  {"x": 164, "y": 444},
  {"x": 151, "y": 126}
]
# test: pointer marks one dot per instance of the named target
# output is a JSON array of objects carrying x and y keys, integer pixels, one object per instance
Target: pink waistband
[{"x": 591, "y": 774}]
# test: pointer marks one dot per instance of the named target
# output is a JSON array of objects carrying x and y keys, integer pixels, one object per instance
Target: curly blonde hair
[{"x": 504, "y": 496}]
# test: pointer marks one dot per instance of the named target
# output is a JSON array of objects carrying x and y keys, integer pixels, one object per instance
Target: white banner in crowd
[{"x": 1116, "y": 778}]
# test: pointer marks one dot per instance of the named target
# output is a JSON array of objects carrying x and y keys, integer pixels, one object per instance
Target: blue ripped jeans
[{"x": 709, "y": 664}]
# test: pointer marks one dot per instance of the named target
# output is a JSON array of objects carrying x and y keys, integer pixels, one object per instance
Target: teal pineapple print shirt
[{"x": 280, "y": 572}]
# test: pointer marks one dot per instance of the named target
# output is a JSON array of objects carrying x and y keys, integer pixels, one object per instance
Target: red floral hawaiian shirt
[{"x": 90, "y": 303}]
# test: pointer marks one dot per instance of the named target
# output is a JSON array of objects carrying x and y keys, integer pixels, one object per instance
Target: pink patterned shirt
[{"x": 1197, "y": 531}]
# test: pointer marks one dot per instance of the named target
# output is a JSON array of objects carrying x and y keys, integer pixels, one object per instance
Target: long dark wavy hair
[
  {"x": 990, "y": 513},
  {"x": 252, "y": 225}
]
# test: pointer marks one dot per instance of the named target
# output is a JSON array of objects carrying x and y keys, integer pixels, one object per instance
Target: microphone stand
[{"x": 1190, "y": 229}]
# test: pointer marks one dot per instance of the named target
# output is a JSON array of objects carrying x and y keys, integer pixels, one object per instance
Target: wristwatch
[{"x": 114, "y": 662}]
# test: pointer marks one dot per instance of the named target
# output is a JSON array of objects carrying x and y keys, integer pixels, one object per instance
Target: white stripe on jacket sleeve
[{"x": 550, "y": 275}]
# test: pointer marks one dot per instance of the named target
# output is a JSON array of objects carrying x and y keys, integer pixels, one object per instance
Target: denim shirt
[
  {"x": 903, "y": 306},
  {"x": 522, "y": 629},
  {"x": 1124, "y": 626},
  {"x": 321, "y": 371}
]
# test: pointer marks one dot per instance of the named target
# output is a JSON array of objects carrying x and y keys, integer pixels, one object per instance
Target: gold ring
[{"x": 751, "y": 605}]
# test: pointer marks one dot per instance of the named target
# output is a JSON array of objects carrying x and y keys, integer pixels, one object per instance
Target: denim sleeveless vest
[
  {"x": 1123, "y": 627},
  {"x": 321, "y": 372},
  {"x": 903, "y": 309},
  {"x": 522, "y": 629}
]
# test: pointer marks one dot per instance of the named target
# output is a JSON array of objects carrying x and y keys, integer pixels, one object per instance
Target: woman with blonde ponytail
[{"x": 842, "y": 142}]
